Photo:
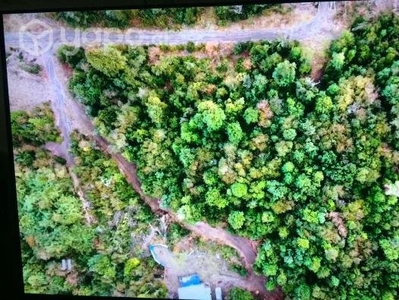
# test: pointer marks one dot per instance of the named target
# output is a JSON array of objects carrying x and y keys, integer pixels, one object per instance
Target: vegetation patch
[
  {"x": 301, "y": 167},
  {"x": 163, "y": 18},
  {"x": 106, "y": 257}
]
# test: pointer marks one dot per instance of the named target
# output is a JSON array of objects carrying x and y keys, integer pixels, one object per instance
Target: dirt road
[
  {"x": 243, "y": 246},
  {"x": 50, "y": 38},
  {"x": 320, "y": 23},
  {"x": 63, "y": 122}
]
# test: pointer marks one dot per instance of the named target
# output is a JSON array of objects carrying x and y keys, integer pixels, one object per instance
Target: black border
[
  {"x": 11, "y": 250},
  {"x": 14, "y": 6},
  {"x": 11, "y": 284}
]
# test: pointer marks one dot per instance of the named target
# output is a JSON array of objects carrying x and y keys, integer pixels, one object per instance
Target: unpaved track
[
  {"x": 321, "y": 22},
  {"x": 243, "y": 246},
  {"x": 64, "y": 124}
]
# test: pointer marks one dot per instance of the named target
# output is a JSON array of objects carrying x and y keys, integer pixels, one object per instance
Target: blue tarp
[{"x": 193, "y": 279}]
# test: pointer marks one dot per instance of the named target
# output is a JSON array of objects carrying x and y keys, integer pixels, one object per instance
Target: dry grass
[
  {"x": 26, "y": 90},
  {"x": 315, "y": 51},
  {"x": 296, "y": 14},
  {"x": 207, "y": 19},
  {"x": 14, "y": 22},
  {"x": 154, "y": 54}
]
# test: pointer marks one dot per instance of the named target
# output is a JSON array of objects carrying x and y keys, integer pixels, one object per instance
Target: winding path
[
  {"x": 64, "y": 124},
  {"x": 243, "y": 246},
  {"x": 322, "y": 22}
]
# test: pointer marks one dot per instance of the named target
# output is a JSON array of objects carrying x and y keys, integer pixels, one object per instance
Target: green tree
[
  {"x": 108, "y": 60},
  {"x": 338, "y": 60},
  {"x": 236, "y": 219},
  {"x": 103, "y": 268},
  {"x": 214, "y": 198},
  {"x": 239, "y": 190},
  {"x": 251, "y": 115},
  {"x": 212, "y": 115},
  {"x": 284, "y": 73},
  {"x": 235, "y": 133},
  {"x": 239, "y": 294}
]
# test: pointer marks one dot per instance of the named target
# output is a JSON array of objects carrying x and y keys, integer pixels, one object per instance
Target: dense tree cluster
[
  {"x": 159, "y": 17},
  {"x": 106, "y": 18},
  {"x": 249, "y": 139},
  {"x": 120, "y": 264},
  {"x": 239, "y": 294},
  {"x": 233, "y": 13},
  {"x": 34, "y": 127},
  {"x": 172, "y": 17},
  {"x": 51, "y": 223},
  {"x": 107, "y": 256}
]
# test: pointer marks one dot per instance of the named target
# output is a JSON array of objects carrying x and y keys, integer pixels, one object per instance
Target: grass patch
[{"x": 32, "y": 68}]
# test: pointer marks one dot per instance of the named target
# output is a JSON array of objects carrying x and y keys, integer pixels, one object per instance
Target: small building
[
  {"x": 195, "y": 292},
  {"x": 218, "y": 293},
  {"x": 192, "y": 288}
]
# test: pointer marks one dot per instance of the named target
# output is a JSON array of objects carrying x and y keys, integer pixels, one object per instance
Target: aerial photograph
[{"x": 241, "y": 152}]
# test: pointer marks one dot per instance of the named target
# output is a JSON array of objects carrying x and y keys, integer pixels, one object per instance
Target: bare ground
[
  {"x": 212, "y": 269},
  {"x": 74, "y": 110},
  {"x": 297, "y": 13},
  {"x": 26, "y": 90},
  {"x": 244, "y": 247},
  {"x": 14, "y": 22}
]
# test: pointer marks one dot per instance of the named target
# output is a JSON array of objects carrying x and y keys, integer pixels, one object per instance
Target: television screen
[{"x": 224, "y": 151}]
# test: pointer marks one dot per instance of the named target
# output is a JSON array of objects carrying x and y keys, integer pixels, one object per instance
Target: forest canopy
[
  {"x": 53, "y": 227},
  {"x": 249, "y": 141},
  {"x": 167, "y": 17},
  {"x": 172, "y": 17}
]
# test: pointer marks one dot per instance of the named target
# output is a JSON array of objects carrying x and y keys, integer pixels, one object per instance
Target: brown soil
[
  {"x": 212, "y": 269},
  {"x": 26, "y": 90},
  {"x": 14, "y": 22},
  {"x": 297, "y": 13},
  {"x": 74, "y": 109},
  {"x": 243, "y": 246}
]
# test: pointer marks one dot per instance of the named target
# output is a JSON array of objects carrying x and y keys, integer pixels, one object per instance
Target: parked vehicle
[{"x": 218, "y": 293}]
